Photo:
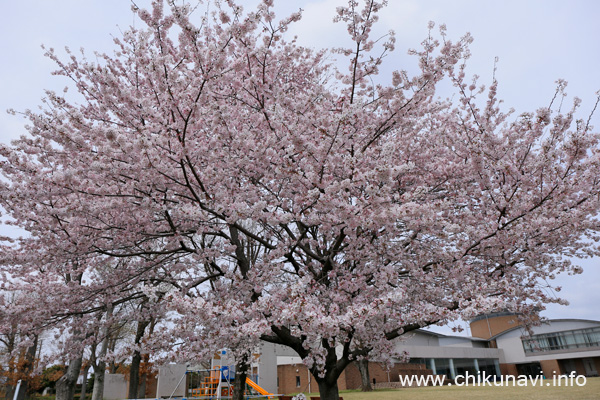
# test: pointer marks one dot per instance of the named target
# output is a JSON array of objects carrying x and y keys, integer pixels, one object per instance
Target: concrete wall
[
  {"x": 267, "y": 367},
  {"x": 280, "y": 350},
  {"x": 286, "y": 360},
  {"x": 169, "y": 376},
  {"x": 460, "y": 342},
  {"x": 512, "y": 347},
  {"x": 116, "y": 387},
  {"x": 450, "y": 352},
  {"x": 419, "y": 339}
]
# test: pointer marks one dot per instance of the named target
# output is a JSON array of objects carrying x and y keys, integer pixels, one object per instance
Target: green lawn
[{"x": 590, "y": 391}]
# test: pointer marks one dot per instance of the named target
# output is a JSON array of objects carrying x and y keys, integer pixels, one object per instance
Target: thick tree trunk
[
  {"x": 86, "y": 370},
  {"x": 141, "y": 392},
  {"x": 100, "y": 367},
  {"x": 328, "y": 389},
  {"x": 134, "y": 375},
  {"x": 363, "y": 368},
  {"x": 65, "y": 386},
  {"x": 241, "y": 373},
  {"x": 134, "y": 370}
]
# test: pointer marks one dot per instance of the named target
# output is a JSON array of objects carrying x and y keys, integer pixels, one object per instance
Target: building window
[
  {"x": 487, "y": 366},
  {"x": 462, "y": 366},
  {"x": 297, "y": 381},
  {"x": 442, "y": 366},
  {"x": 577, "y": 338}
]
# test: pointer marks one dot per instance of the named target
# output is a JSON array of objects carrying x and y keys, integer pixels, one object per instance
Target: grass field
[{"x": 591, "y": 390}]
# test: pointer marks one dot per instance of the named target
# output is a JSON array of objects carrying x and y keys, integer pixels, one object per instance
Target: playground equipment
[
  {"x": 260, "y": 390},
  {"x": 218, "y": 381}
]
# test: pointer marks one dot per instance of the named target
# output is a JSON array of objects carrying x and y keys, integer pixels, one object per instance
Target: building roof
[
  {"x": 492, "y": 315},
  {"x": 475, "y": 339}
]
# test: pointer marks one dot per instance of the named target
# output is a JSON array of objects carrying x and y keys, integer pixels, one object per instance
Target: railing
[{"x": 565, "y": 340}]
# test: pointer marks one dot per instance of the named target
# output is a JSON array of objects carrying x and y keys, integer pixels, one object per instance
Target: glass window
[
  {"x": 428, "y": 364},
  {"x": 576, "y": 338},
  {"x": 488, "y": 366},
  {"x": 464, "y": 365},
  {"x": 442, "y": 366}
]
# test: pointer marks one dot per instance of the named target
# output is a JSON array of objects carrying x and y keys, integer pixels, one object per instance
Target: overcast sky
[{"x": 536, "y": 41}]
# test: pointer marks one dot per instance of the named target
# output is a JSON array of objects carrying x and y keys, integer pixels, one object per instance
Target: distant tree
[
  {"x": 363, "y": 369},
  {"x": 266, "y": 195},
  {"x": 18, "y": 345},
  {"x": 9, "y": 340},
  {"x": 50, "y": 375}
]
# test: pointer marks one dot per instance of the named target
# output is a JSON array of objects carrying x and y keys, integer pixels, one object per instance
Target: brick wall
[
  {"x": 550, "y": 368},
  {"x": 508, "y": 369},
  {"x": 379, "y": 374},
  {"x": 287, "y": 382},
  {"x": 579, "y": 367}
]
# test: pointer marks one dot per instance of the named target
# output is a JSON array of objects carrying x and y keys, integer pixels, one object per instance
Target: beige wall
[{"x": 487, "y": 327}]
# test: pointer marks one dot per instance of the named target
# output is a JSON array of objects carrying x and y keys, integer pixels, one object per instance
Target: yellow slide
[{"x": 260, "y": 390}]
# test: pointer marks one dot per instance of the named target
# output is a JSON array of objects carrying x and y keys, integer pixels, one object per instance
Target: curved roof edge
[
  {"x": 443, "y": 335},
  {"x": 492, "y": 315}
]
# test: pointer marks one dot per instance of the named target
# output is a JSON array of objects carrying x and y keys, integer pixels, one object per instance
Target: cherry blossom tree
[
  {"x": 16, "y": 349},
  {"x": 73, "y": 303},
  {"x": 262, "y": 194}
]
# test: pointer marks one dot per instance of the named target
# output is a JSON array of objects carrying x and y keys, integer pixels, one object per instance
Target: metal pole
[{"x": 17, "y": 390}]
